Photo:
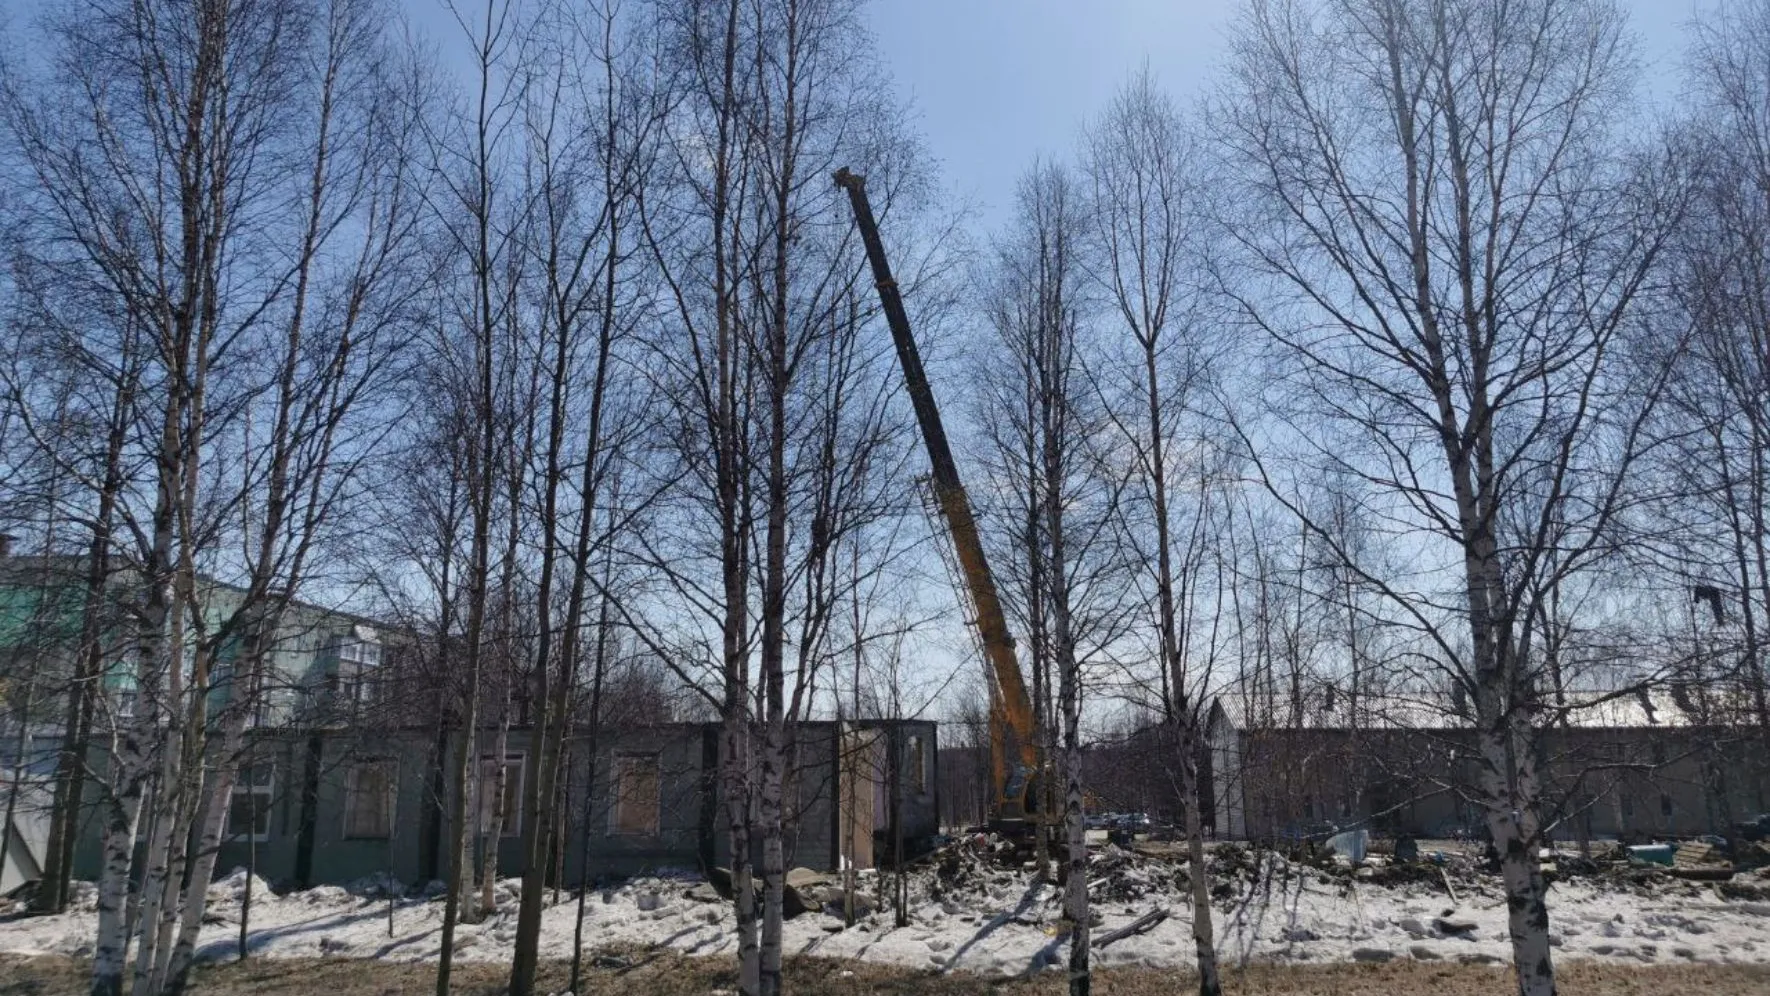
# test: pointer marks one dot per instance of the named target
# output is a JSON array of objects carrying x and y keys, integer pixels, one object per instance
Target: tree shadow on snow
[
  {"x": 1027, "y": 900},
  {"x": 258, "y": 940}
]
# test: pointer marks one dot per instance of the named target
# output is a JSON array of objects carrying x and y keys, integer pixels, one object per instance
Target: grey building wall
[
  {"x": 1625, "y": 782},
  {"x": 684, "y": 780},
  {"x": 814, "y": 811},
  {"x": 306, "y": 839}
]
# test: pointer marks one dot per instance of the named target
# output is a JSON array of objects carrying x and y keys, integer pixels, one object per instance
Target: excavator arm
[{"x": 1013, "y": 752}]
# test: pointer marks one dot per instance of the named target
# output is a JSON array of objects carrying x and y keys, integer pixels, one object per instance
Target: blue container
[{"x": 1652, "y": 854}]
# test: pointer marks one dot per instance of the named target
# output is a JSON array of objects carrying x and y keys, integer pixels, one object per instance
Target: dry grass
[{"x": 671, "y": 975}]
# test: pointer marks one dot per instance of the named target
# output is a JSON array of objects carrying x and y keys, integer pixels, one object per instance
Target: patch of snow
[{"x": 996, "y": 923}]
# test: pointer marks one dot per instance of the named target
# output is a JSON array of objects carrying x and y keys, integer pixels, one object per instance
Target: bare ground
[{"x": 675, "y": 975}]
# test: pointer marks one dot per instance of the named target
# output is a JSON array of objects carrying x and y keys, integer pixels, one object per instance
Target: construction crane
[{"x": 1013, "y": 753}]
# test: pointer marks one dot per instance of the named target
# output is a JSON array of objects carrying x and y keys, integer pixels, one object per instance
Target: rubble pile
[
  {"x": 981, "y": 869},
  {"x": 1119, "y": 875},
  {"x": 1755, "y": 854},
  {"x": 971, "y": 869}
]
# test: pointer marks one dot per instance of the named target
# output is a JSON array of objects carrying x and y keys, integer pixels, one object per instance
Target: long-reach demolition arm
[{"x": 1012, "y": 751}]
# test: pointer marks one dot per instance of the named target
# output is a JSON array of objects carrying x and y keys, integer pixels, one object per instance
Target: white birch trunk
[
  {"x": 774, "y": 871},
  {"x": 111, "y": 950},
  {"x": 1203, "y": 933},
  {"x": 130, "y": 762},
  {"x": 157, "y": 933},
  {"x": 736, "y": 790},
  {"x": 1513, "y": 822},
  {"x": 214, "y": 823},
  {"x": 171, "y": 895},
  {"x": 488, "y": 882},
  {"x": 153, "y": 884},
  {"x": 1069, "y": 702},
  {"x": 473, "y": 782},
  {"x": 163, "y": 829},
  {"x": 1075, "y": 886}
]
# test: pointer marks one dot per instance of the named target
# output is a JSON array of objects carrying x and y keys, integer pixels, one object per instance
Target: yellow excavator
[{"x": 1013, "y": 751}]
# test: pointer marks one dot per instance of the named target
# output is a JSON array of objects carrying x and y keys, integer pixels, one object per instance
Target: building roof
[
  {"x": 38, "y": 570},
  {"x": 1655, "y": 707}
]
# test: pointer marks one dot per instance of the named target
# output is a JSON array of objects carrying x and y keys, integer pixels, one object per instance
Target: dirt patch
[{"x": 672, "y": 975}]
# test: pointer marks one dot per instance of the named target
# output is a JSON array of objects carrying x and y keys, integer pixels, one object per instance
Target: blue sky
[
  {"x": 997, "y": 82},
  {"x": 994, "y": 83}
]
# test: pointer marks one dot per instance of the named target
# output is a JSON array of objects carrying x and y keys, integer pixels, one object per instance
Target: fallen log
[
  {"x": 1704, "y": 873},
  {"x": 1141, "y": 925}
]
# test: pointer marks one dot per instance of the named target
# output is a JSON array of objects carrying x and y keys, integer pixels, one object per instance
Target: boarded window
[
  {"x": 499, "y": 795},
  {"x": 248, "y": 809},
  {"x": 636, "y": 802},
  {"x": 368, "y": 800}
]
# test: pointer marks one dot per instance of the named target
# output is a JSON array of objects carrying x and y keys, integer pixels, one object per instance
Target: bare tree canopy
[{"x": 1456, "y": 254}]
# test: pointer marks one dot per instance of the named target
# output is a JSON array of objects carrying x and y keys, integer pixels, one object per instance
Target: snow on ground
[{"x": 995, "y": 921}]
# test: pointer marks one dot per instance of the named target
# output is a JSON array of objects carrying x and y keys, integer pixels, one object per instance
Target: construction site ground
[
  {"x": 1284, "y": 923},
  {"x": 675, "y": 975}
]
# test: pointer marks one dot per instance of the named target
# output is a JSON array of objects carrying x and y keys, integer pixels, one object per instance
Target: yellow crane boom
[{"x": 1013, "y": 752}]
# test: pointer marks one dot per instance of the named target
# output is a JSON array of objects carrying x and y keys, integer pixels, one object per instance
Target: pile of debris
[
  {"x": 1390, "y": 873},
  {"x": 802, "y": 892},
  {"x": 1704, "y": 860},
  {"x": 1652, "y": 868},
  {"x": 1121, "y": 875},
  {"x": 1232, "y": 861},
  {"x": 983, "y": 871},
  {"x": 980, "y": 870},
  {"x": 1753, "y": 854}
]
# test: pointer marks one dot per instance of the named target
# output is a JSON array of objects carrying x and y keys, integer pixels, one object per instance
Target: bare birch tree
[
  {"x": 697, "y": 246},
  {"x": 591, "y": 131},
  {"x": 218, "y": 282},
  {"x": 1147, "y": 231},
  {"x": 482, "y": 226},
  {"x": 780, "y": 403},
  {"x": 354, "y": 300},
  {"x": 1449, "y": 248},
  {"x": 1051, "y": 429}
]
